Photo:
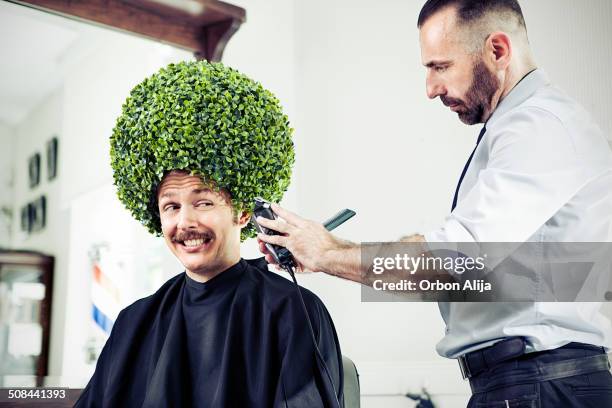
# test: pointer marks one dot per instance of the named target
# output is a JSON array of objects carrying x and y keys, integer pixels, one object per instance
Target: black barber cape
[{"x": 238, "y": 340}]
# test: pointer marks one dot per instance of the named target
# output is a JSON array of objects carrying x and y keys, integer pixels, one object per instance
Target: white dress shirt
[{"x": 542, "y": 173}]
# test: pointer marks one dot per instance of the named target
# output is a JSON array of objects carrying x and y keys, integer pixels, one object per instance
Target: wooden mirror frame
[{"x": 201, "y": 26}]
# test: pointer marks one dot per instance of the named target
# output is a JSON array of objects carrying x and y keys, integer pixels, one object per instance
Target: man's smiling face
[{"x": 199, "y": 225}]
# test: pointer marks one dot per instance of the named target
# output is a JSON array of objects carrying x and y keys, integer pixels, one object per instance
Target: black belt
[{"x": 478, "y": 361}]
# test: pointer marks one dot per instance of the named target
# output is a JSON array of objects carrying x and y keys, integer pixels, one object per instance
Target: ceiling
[{"x": 34, "y": 48}]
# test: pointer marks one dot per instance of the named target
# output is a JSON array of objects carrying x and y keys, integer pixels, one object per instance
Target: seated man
[{"x": 227, "y": 332}]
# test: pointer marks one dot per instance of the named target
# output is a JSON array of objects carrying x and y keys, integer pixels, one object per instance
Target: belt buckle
[{"x": 464, "y": 367}]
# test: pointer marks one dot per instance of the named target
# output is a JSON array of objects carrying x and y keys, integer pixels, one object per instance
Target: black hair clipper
[{"x": 280, "y": 254}]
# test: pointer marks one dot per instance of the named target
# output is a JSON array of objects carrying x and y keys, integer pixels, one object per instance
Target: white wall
[
  {"x": 29, "y": 137},
  {"x": 6, "y": 183},
  {"x": 572, "y": 42}
]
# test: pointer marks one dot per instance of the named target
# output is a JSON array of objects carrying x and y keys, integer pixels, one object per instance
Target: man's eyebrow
[
  {"x": 201, "y": 190},
  {"x": 171, "y": 193},
  {"x": 435, "y": 63}
]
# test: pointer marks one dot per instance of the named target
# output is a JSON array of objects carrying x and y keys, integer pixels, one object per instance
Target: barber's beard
[{"x": 478, "y": 100}]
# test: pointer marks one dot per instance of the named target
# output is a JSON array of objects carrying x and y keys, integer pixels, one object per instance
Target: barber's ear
[
  {"x": 498, "y": 49},
  {"x": 244, "y": 219}
]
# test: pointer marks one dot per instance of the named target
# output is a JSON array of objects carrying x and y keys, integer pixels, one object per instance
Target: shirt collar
[{"x": 526, "y": 87}]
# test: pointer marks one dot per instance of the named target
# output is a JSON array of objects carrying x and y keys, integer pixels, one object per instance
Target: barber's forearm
[{"x": 343, "y": 261}]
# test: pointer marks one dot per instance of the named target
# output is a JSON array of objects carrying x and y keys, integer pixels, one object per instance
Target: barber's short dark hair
[{"x": 471, "y": 10}]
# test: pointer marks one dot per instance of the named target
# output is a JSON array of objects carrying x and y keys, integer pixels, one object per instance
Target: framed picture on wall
[
  {"x": 34, "y": 170},
  {"x": 38, "y": 214},
  {"x": 25, "y": 218},
  {"x": 52, "y": 158}
]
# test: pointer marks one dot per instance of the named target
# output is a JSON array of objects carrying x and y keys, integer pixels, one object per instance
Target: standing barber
[{"x": 541, "y": 171}]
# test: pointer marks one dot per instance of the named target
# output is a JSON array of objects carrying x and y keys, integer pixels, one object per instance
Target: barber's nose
[{"x": 434, "y": 88}]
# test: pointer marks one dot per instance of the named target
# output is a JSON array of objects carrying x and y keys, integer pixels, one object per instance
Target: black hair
[{"x": 471, "y": 10}]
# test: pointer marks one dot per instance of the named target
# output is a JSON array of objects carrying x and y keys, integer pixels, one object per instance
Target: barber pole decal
[{"x": 105, "y": 294}]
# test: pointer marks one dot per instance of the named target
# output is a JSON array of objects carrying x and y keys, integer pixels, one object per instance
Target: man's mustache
[
  {"x": 188, "y": 235},
  {"x": 448, "y": 101}
]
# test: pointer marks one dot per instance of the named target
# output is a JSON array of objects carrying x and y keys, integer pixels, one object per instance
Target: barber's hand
[
  {"x": 309, "y": 241},
  {"x": 299, "y": 268}
]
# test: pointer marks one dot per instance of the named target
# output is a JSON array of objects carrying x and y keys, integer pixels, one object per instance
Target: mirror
[{"x": 62, "y": 88}]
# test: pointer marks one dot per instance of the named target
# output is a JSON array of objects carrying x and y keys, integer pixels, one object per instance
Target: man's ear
[
  {"x": 244, "y": 219},
  {"x": 498, "y": 50}
]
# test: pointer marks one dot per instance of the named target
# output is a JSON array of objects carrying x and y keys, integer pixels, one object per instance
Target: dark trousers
[{"x": 572, "y": 376}]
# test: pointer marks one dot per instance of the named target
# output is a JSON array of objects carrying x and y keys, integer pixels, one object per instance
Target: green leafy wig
[{"x": 207, "y": 119}]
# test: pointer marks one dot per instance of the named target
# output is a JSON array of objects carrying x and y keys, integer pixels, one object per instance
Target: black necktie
[{"x": 467, "y": 164}]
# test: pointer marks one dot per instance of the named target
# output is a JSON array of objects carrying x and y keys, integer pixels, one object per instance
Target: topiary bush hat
[{"x": 208, "y": 119}]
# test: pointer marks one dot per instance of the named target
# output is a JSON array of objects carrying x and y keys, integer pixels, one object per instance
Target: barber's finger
[
  {"x": 276, "y": 225},
  {"x": 270, "y": 259},
  {"x": 262, "y": 246},
  {"x": 273, "y": 239},
  {"x": 287, "y": 215}
]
